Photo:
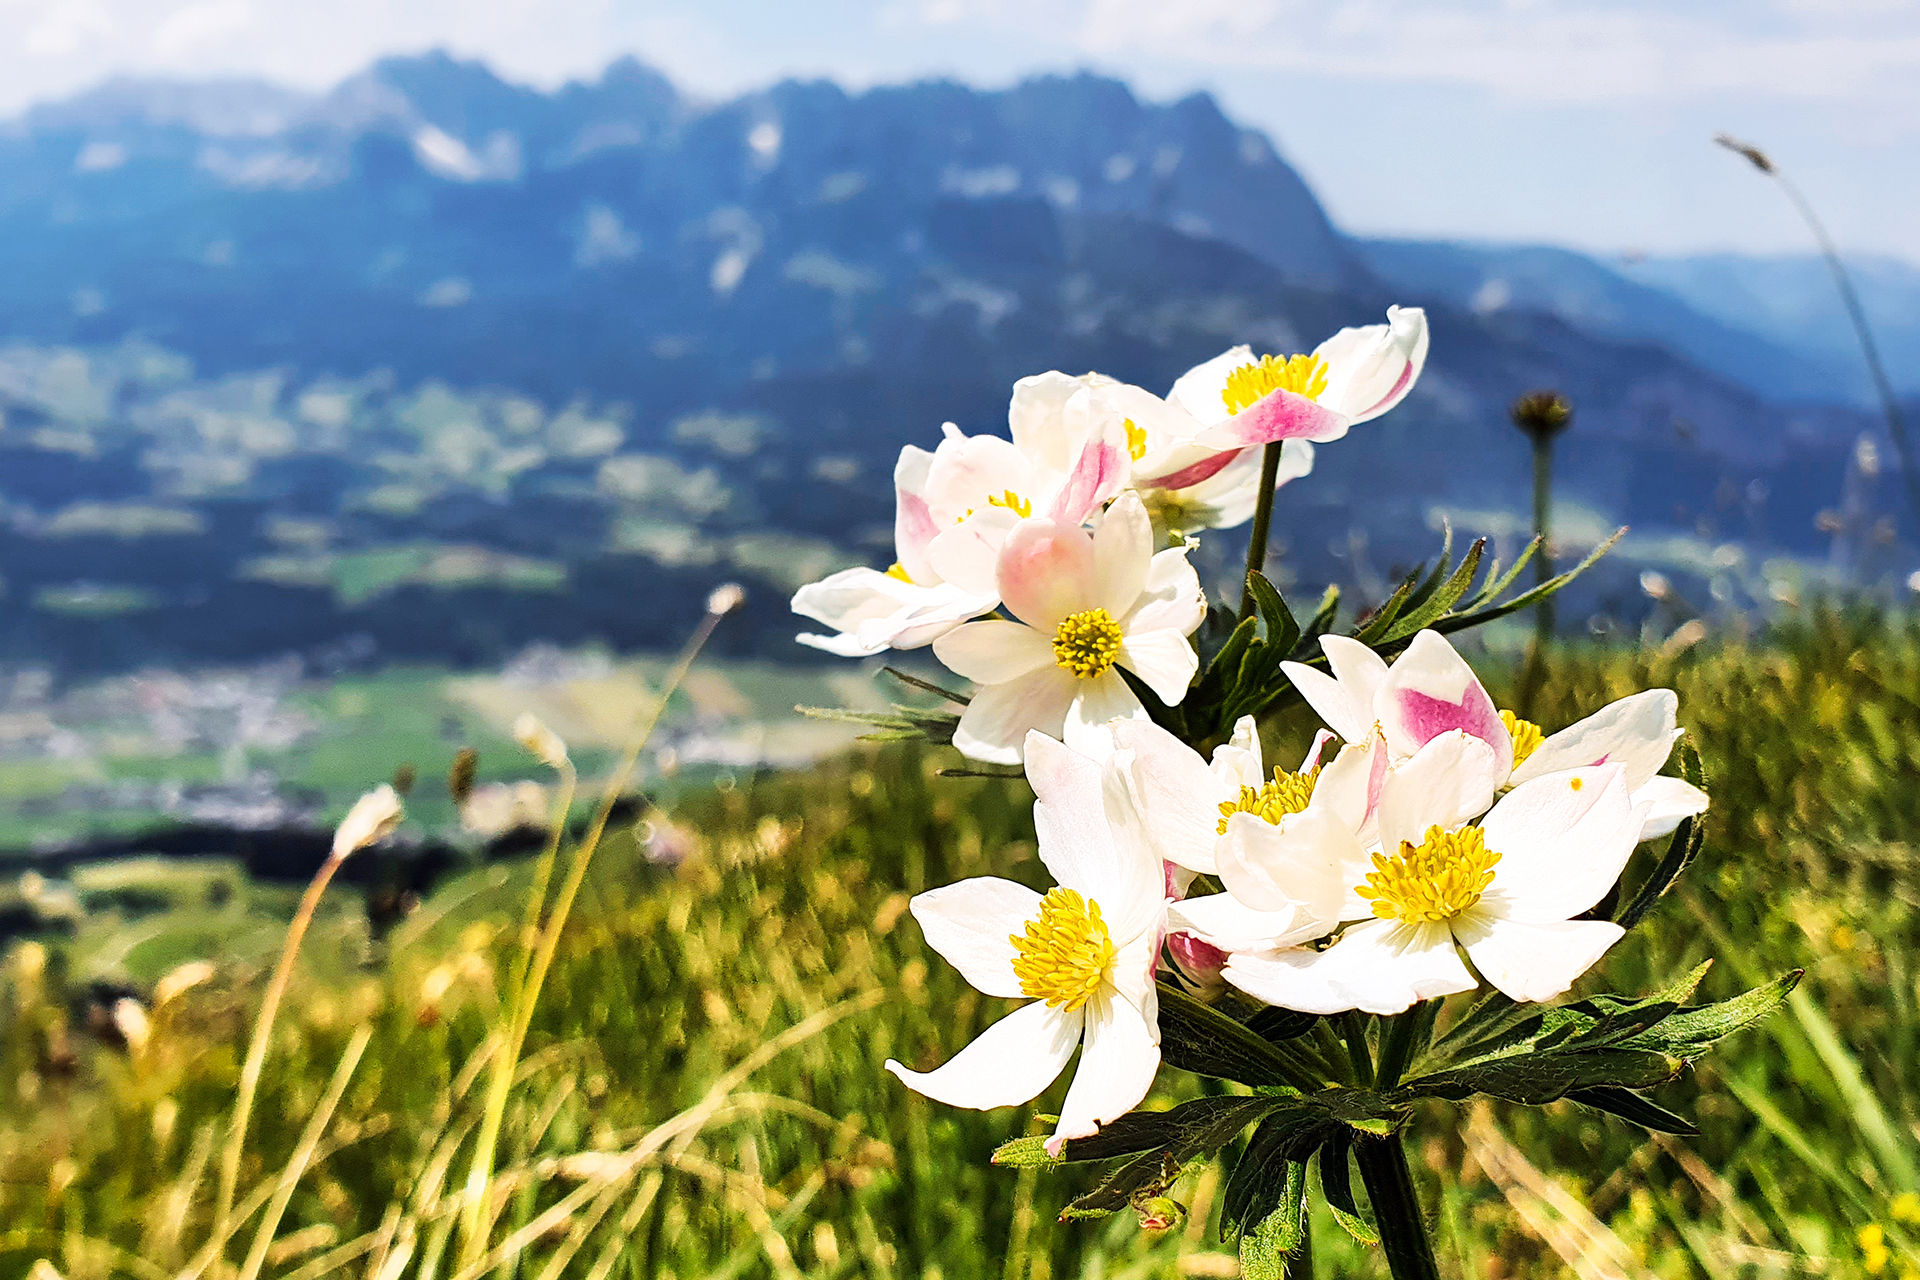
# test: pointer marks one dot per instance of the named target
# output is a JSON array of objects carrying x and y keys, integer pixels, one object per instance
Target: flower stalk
[
  {"x": 1262, "y": 524},
  {"x": 1396, "y": 1209}
]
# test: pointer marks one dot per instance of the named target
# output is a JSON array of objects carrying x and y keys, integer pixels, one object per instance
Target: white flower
[
  {"x": 905, "y": 607},
  {"x": 1084, "y": 954},
  {"x": 1506, "y": 889},
  {"x": 1219, "y": 412},
  {"x": 1430, "y": 690},
  {"x": 1085, "y": 603}
]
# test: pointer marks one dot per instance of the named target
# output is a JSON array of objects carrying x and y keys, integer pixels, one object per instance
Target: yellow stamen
[
  {"x": 1287, "y": 793},
  {"x": 1302, "y": 375},
  {"x": 1066, "y": 952},
  {"x": 1088, "y": 643},
  {"x": 1136, "y": 440},
  {"x": 1007, "y": 499},
  {"x": 1438, "y": 880},
  {"x": 1527, "y": 736},
  {"x": 899, "y": 571}
]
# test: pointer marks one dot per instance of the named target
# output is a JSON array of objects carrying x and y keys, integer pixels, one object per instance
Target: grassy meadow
[{"x": 701, "y": 1095}]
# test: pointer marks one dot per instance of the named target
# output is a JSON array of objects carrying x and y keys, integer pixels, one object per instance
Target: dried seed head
[
  {"x": 460, "y": 776},
  {"x": 726, "y": 597},
  {"x": 373, "y": 815},
  {"x": 1755, "y": 156},
  {"x": 544, "y": 744}
]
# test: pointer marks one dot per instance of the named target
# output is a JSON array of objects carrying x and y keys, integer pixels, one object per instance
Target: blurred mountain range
[{"x": 436, "y": 365}]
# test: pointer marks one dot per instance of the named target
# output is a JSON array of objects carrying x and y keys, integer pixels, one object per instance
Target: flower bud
[
  {"x": 726, "y": 597},
  {"x": 1541, "y": 414},
  {"x": 373, "y": 815},
  {"x": 1160, "y": 1213},
  {"x": 1200, "y": 962},
  {"x": 543, "y": 743}
]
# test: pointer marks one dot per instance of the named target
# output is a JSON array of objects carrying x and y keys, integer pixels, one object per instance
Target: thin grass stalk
[
  {"x": 473, "y": 1226},
  {"x": 235, "y": 1144},
  {"x": 303, "y": 1153}
]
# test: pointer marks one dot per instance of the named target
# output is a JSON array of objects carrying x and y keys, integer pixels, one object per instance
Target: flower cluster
[{"x": 1429, "y": 841}]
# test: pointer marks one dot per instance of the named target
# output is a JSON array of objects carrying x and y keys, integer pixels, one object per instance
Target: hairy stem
[
  {"x": 1396, "y": 1211},
  {"x": 1262, "y": 523}
]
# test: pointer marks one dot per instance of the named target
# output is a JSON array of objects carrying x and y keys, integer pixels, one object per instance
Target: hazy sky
[{"x": 1584, "y": 122}]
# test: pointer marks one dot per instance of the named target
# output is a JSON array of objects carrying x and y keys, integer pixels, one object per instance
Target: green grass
[{"x": 789, "y": 912}]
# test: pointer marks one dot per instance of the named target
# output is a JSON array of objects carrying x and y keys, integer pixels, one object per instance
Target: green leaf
[
  {"x": 1198, "y": 1038},
  {"x": 917, "y": 683},
  {"x": 1264, "y": 1250},
  {"x": 1139, "y": 1179},
  {"x": 1025, "y": 1153},
  {"x": 1322, "y": 620},
  {"x": 1283, "y": 632},
  {"x": 1436, "y": 606},
  {"x": 1686, "y": 1033},
  {"x": 1629, "y": 1105},
  {"x": 1681, "y": 851},
  {"x": 1263, "y": 1176},
  {"x": 1200, "y": 1125},
  {"x": 1544, "y": 1076},
  {"x": 1336, "y": 1185},
  {"x": 1488, "y": 612}
]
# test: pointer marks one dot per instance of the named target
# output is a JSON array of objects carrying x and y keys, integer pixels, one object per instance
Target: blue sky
[{"x": 1584, "y": 122}]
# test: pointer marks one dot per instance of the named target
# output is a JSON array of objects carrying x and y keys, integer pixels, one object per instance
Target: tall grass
[{"x": 699, "y": 1093}]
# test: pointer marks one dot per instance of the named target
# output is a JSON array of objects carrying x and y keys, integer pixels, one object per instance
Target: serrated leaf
[
  {"x": 1544, "y": 1076},
  {"x": 1681, "y": 851},
  {"x": 1444, "y": 598},
  {"x": 1689, "y": 1031},
  {"x": 1499, "y": 581},
  {"x": 1203, "y": 1124},
  {"x": 1264, "y": 1172},
  {"x": 1024, "y": 1153},
  {"x": 1282, "y": 628},
  {"x": 1629, "y": 1105},
  {"x": 1322, "y": 620},
  {"x": 1198, "y": 1038},
  {"x": 1336, "y": 1184},
  {"x": 1477, "y": 617}
]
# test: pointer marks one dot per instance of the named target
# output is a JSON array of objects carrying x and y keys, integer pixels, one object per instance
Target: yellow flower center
[
  {"x": 1287, "y": 793},
  {"x": 1302, "y": 375},
  {"x": 1066, "y": 952},
  {"x": 1087, "y": 643},
  {"x": 1438, "y": 880},
  {"x": 1136, "y": 440},
  {"x": 899, "y": 571},
  {"x": 1526, "y": 736}
]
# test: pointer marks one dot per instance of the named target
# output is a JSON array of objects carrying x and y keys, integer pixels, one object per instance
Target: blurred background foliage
[{"x": 702, "y": 1093}]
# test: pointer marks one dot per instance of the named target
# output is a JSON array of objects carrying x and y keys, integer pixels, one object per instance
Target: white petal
[
  {"x": 1135, "y": 901},
  {"x": 1350, "y": 785},
  {"x": 1344, "y": 714},
  {"x": 1012, "y": 1061},
  {"x": 1046, "y": 572},
  {"x": 1238, "y": 762},
  {"x": 1164, "y": 660},
  {"x": 1096, "y": 703},
  {"x": 1122, "y": 552},
  {"x": 1360, "y": 670},
  {"x": 1070, "y": 820},
  {"x": 1117, "y": 1067},
  {"x": 994, "y": 651},
  {"x": 913, "y": 524},
  {"x": 1298, "y": 862},
  {"x": 1047, "y": 418},
  {"x": 1534, "y": 961},
  {"x": 1430, "y": 690},
  {"x": 1227, "y": 498},
  {"x": 1201, "y": 389},
  {"x": 1099, "y": 472},
  {"x": 1381, "y": 966},
  {"x": 1449, "y": 781},
  {"x": 967, "y": 554},
  {"x": 1636, "y": 732},
  {"x": 972, "y": 923},
  {"x": 969, "y": 470},
  {"x": 1179, "y": 796},
  {"x": 1371, "y": 369},
  {"x": 1172, "y": 599},
  {"x": 1223, "y": 921},
  {"x": 1667, "y": 800},
  {"x": 1563, "y": 840},
  {"x": 997, "y": 721}
]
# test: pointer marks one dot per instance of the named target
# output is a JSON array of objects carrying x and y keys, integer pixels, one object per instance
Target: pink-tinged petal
[
  {"x": 1048, "y": 418},
  {"x": 1534, "y": 961},
  {"x": 1201, "y": 389},
  {"x": 1164, "y": 660},
  {"x": 1117, "y": 1067},
  {"x": 996, "y": 723},
  {"x": 971, "y": 923},
  {"x": 913, "y": 525},
  {"x": 1099, "y": 472},
  {"x": 1122, "y": 555},
  {"x": 1096, "y": 703},
  {"x": 1012, "y": 1061},
  {"x": 1223, "y": 921},
  {"x": 1184, "y": 466},
  {"x": 1278, "y": 415},
  {"x": 1667, "y": 801},
  {"x": 1227, "y": 499},
  {"x": 1636, "y": 733},
  {"x": 1070, "y": 818},
  {"x": 1046, "y": 572},
  {"x": 1446, "y": 783},
  {"x": 1350, "y": 784},
  {"x": 994, "y": 651},
  {"x": 1157, "y": 423},
  {"x": 1311, "y": 761},
  {"x": 1371, "y": 369},
  {"x": 1198, "y": 961},
  {"x": 1172, "y": 599},
  {"x": 1563, "y": 841},
  {"x": 969, "y": 470},
  {"x": 1295, "y": 863},
  {"x": 1381, "y": 966},
  {"x": 1430, "y": 690},
  {"x": 967, "y": 555},
  {"x": 1179, "y": 796}
]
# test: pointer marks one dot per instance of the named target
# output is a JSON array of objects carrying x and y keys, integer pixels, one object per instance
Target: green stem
[
  {"x": 1543, "y": 529},
  {"x": 1262, "y": 523},
  {"x": 1398, "y": 1035},
  {"x": 1353, "y": 1029},
  {"x": 1300, "y": 1261},
  {"x": 1396, "y": 1211}
]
